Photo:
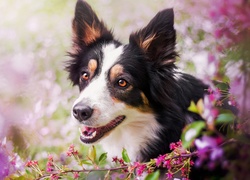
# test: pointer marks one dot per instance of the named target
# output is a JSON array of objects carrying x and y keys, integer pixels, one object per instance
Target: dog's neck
[{"x": 132, "y": 135}]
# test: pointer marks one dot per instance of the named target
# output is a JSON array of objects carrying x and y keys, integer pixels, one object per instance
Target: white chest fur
[{"x": 133, "y": 134}]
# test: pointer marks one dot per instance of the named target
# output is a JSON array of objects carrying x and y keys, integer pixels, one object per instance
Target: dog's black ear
[
  {"x": 87, "y": 28},
  {"x": 157, "y": 39}
]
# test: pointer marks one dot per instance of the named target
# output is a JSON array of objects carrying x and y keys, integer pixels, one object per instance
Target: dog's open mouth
[{"x": 92, "y": 134}]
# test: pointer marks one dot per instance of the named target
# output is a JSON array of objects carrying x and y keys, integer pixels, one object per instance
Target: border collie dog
[{"x": 132, "y": 95}]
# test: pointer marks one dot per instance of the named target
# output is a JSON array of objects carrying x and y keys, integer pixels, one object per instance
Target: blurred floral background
[{"x": 36, "y": 97}]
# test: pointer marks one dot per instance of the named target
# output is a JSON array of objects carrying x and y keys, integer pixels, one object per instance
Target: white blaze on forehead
[{"x": 111, "y": 55}]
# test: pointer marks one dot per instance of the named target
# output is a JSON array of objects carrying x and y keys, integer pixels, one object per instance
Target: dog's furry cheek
[{"x": 137, "y": 101}]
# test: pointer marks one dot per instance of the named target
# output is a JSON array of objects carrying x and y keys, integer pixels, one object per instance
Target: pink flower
[
  {"x": 191, "y": 163},
  {"x": 71, "y": 151},
  {"x": 31, "y": 163},
  {"x": 115, "y": 159},
  {"x": 118, "y": 160},
  {"x": 49, "y": 169},
  {"x": 167, "y": 164},
  {"x": 172, "y": 146},
  {"x": 28, "y": 163},
  {"x": 219, "y": 103},
  {"x": 231, "y": 19},
  {"x": 175, "y": 145},
  {"x": 218, "y": 33},
  {"x": 169, "y": 175},
  {"x": 76, "y": 175},
  {"x": 54, "y": 177},
  {"x": 50, "y": 165},
  {"x": 184, "y": 172},
  {"x": 159, "y": 160},
  {"x": 140, "y": 169},
  {"x": 50, "y": 158},
  {"x": 121, "y": 161}
]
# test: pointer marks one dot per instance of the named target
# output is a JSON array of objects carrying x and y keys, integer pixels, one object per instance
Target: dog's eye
[
  {"x": 85, "y": 76},
  {"x": 122, "y": 83}
]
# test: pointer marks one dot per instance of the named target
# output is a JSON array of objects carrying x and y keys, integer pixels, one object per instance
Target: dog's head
[{"x": 119, "y": 84}]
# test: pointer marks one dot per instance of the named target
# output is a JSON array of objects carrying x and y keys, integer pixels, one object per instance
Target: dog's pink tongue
[{"x": 87, "y": 130}]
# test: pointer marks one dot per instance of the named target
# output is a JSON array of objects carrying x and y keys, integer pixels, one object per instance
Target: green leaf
[
  {"x": 225, "y": 118},
  {"x": 18, "y": 178},
  {"x": 102, "y": 158},
  {"x": 27, "y": 171},
  {"x": 86, "y": 162},
  {"x": 92, "y": 153},
  {"x": 190, "y": 132},
  {"x": 153, "y": 176},
  {"x": 222, "y": 86},
  {"x": 125, "y": 156},
  {"x": 193, "y": 107}
]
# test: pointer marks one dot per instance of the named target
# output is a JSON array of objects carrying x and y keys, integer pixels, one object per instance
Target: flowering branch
[
  {"x": 179, "y": 160},
  {"x": 79, "y": 171}
]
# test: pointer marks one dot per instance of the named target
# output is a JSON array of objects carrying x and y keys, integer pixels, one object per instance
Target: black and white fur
[{"x": 132, "y": 95}]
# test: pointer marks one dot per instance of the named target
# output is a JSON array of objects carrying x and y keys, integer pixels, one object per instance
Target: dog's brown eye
[
  {"x": 85, "y": 76},
  {"x": 122, "y": 83}
]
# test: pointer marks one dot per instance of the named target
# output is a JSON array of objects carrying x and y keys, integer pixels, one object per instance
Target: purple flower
[
  {"x": 216, "y": 153},
  {"x": 9, "y": 162},
  {"x": 4, "y": 164},
  {"x": 208, "y": 150}
]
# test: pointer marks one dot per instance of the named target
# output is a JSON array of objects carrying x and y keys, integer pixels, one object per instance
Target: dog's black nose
[{"x": 82, "y": 112}]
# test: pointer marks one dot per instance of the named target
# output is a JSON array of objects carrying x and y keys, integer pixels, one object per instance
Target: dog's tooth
[
  {"x": 90, "y": 136},
  {"x": 93, "y": 134}
]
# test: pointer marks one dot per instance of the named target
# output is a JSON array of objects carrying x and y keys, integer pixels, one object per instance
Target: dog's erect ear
[
  {"x": 87, "y": 28},
  {"x": 157, "y": 39}
]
